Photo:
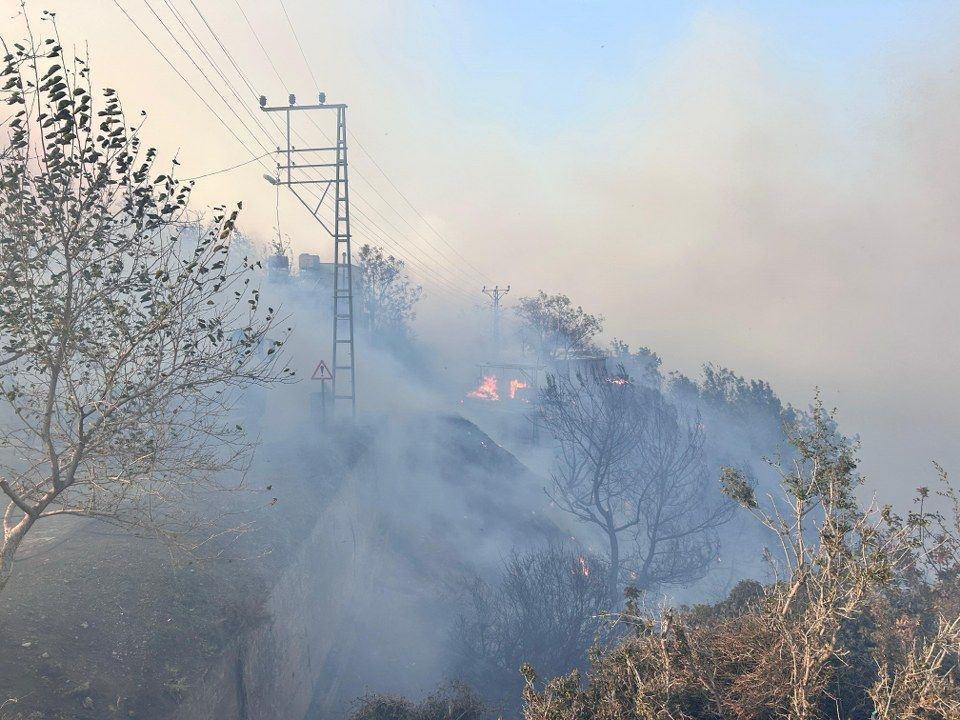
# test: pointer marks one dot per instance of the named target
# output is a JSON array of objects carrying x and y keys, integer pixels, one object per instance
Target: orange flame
[
  {"x": 516, "y": 385},
  {"x": 487, "y": 390},
  {"x": 584, "y": 568}
]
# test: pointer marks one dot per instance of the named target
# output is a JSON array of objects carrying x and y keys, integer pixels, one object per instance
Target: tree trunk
[
  {"x": 6, "y": 567},
  {"x": 8, "y": 548},
  {"x": 613, "y": 575}
]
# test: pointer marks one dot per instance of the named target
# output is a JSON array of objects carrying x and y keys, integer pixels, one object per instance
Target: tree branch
[{"x": 17, "y": 500}]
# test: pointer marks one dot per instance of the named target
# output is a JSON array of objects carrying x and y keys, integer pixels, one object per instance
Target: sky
[{"x": 769, "y": 186}]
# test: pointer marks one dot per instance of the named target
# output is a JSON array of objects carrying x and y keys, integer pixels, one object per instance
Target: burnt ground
[{"x": 98, "y": 624}]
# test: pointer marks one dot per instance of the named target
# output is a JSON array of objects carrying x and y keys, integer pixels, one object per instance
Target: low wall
[{"x": 270, "y": 672}]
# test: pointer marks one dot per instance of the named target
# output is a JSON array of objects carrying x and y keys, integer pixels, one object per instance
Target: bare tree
[
  {"x": 387, "y": 296},
  {"x": 125, "y": 329},
  {"x": 554, "y": 329},
  {"x": 629, "y": 464}
]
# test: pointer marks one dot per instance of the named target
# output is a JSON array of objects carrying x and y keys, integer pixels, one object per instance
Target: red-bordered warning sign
[{"x": 322, "y": 372}]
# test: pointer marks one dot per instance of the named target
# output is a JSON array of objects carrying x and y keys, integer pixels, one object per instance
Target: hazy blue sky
[{"x": 767, "y": 185}]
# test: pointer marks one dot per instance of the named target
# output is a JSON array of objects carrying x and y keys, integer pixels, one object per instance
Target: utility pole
[
  {"x": 495, "y": 293},
  {"x": 291, "y": 174}
]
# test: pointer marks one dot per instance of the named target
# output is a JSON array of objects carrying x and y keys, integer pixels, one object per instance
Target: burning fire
[
  {"x": 516, "y": 385},
  {"x": 584, "y": 568},
  {"x": 617, "y": 381},
  {"x": 487, "y": 390}
]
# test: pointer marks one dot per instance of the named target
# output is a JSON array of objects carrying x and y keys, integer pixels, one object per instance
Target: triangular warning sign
[{"x": 322, "y": 372}]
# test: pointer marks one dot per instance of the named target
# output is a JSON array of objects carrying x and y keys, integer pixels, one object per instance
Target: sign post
[{"x": 323, "y": 374}]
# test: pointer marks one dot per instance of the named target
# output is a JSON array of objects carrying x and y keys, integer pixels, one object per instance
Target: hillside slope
[{"x": 97, "y": 624}]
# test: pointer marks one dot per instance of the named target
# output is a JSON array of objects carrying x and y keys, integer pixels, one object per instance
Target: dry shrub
[
  {"x": 454, "y": 701},
  {"x": 545, "y": 609},
  {"x": 923, "y": 683}
]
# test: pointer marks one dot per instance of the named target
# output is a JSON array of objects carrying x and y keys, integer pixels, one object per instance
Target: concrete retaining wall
[{"x": 270, "y": 672}]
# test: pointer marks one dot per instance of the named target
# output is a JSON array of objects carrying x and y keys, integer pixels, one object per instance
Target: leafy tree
[
  {"x": 553, "y": 329},
  {"x": 642, "y": 363},
  {"x": 125, "y": 327},
  {"x": 387, "y": 295}
]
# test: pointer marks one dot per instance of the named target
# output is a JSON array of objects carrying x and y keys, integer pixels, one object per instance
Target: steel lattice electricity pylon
[
  {"x": 495, "y": 293},
  {"x": 294, "y": 174}
]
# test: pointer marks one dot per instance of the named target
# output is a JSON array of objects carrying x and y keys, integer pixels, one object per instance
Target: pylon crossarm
[{"x": 294, "y": 108}]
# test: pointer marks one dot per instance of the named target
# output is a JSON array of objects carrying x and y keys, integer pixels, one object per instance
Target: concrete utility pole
[
  {"x": 495, "y": 293},
  {"x": 292, "y": 175}
]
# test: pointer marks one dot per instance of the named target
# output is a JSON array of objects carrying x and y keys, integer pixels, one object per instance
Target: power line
[
  {"x": 495, "y": 294},
  {"x": 200, "y": 70},
  {"x": 228, "y": 169},
  {"x": 277, "y": 73},
  {"x": 439, "y": 282},
  {"x": 224, "y": 49},
  {"x": 176, "y": 70},
  {"x": 359, "y": 174},
  {"x": 411, "y": 205},
  {"x": 413, "y": 259},
  {"x": 256, "y": 117},
  {"x": 468, "y": 276},
  {"x": 344, "y": 345},
  {"x": 353, "y": 136},
  {"x": 438, "y": 279},
  {"x": 195, "y": 91},
  {"x": 306, "y": 62},
  {"x": 257, "y": 36},
  {"x": 296, "y": 37}
]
